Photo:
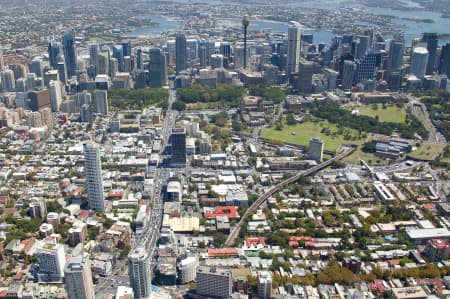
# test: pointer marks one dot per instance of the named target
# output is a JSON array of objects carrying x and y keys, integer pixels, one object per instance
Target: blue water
[
  {"x": 412, "y": 28},
  {"x": 164, "y": 25}
]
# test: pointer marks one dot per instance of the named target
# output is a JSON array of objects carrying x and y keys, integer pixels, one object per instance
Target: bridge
[{"x": 233, "y": 235}]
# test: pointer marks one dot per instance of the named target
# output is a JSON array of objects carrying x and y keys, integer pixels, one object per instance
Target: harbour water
[{"x": 409, "y": 18}]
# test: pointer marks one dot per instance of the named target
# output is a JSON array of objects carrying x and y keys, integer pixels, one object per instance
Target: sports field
[
  {"x": 391, "y": 113},
  {"x": 301, "y": 133}
]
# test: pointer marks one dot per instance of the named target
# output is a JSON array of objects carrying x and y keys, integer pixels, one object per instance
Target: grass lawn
[
  {"x": 427, "y": 151},
  {"x": 371, "y": 159},
  {"x": 392, "y": 113},
  {"x": 301, "y": 134}
]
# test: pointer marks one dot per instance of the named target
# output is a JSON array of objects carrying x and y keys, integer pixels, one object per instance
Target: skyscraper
[
  {"x": 126, "y": 47},
  {"x": 178, "y": 138},
  {"x": 118, "y": 54},
  {"x": 363, "y": 46},
  {"x": 78, "y": 276},
  {"x": 139, "y": 272},
  {"x": 431, "y": 39},
  {"x": 8, "y": 82},
  {"x": 39, "y": 99},
  {"x": 2, "y": 61},
  {"x": 444, "y": 60},
  {"x": 101, "y": 102},
  {"x": 93, "y": 173},
  {"x": 304, "y": 77},
  {"x": 395, "y": 58},
  {"x": 55, "y": 95},
  {"x": 180, "y": 52},
  {"x": 36, "y": 66},
  {"x": 54, "y": 52},
  {"x": 365, "y": 67},
  {"x": 70, "y": 54},
  {"x": 419, "y": 61},
  {"x": 93, "y": 56},
  {"x": 158, "y": 68},
  {"x": 348, "y": 73},
  {"x": 294, "y": 44}
]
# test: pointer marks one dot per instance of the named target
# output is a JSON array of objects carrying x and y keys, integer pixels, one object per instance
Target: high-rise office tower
[
  {"x": 93, "y": 173},
  {"x": 78, "y": 276},
  {"x": 238, "y": 58},
  {"x": 113, "y": 67},
  {"x": 315, "y": 151},
  {"x": 139, "y": 59},
  {"x": 419, "y": 61},
  {"x": 127, "y": 64},
  {"x": 294, "y": 44},
  {"x": 264, "y": 284},
  {"x": 365, "y": 67},
  {"x": 126, "y": 47},
  {"x": 39, "y": 99},
  {"x": 93, "y": 56},
  {"x": 211, "y": 47},
  {"x": 70, "y": 54},
  {"x": 31, "y": 81},
  {"x": 2, "y": 60},
  {"x": 8, "y": 81},
  {"x": 54, "y": 88},
  {"x": 192, "y": 48},
  {"x": 180, "y": 52},
  {"x": 139, "y": 272},
  {"x": 363, "y": 46},
  {"x": 62, "y": 71},
  {"x": 225, "y": 49},
  {"x": 348, "y": 73},
  {"x": 158, "y": 68},
  {"x": 21, "y": 85},
  {"x": 431, "y": 39},
  {"x": 395, "y": 58},
  {"x": 444, "y": 60},
  {"x": 101, "y": 102},
  {"x": 203, "y": 55},
  {"x": 103, "y": 64},
  {"x": 54, "y": 53},
  {"x": 178, "y": 138},
  {"x": 118, "y": 54},
  {"x": 82, "y": 98},
  {"x": 85, "y": 113},
  {"x": 304, "y": 76},
  {"x": 52, "y": 260},
  {"x": 214, "y": 282},
  {"x": 37, "y": 66}
]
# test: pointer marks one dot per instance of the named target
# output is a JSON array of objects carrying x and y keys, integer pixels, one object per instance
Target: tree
[
  {"x": 179, "y": 105},
  {"x": 290, "y": 120}
]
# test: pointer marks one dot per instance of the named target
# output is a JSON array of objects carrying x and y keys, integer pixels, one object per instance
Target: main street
[{"x": 151, "y": 232}]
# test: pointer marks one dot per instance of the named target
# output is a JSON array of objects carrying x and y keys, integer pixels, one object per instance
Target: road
[
  {"x": 151, "y": 232},
  {"x": 233, "y": 235}
]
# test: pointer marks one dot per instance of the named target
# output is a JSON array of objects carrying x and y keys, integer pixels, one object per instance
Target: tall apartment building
[
  {"x": 214, "y": 282},
  {"x": 93, "y": 173},
  {"x": 78, "y": 276},
  {"x": 178, "y": 138},
  {"x": 139, "y": 272}
]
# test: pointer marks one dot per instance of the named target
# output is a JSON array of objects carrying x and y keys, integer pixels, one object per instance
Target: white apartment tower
[
  {"x": 139, "y": 272},
  {"x": 93, "y": 173},
  {"x": 78, "y": 276}
]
